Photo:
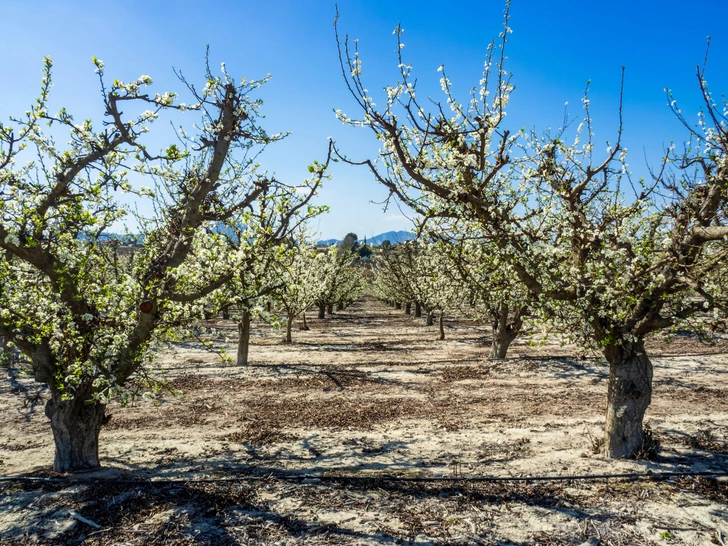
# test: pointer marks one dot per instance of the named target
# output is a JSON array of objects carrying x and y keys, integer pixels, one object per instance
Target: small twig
[
  {"x": 99, "y": 531},
  {"x": 82, "y": 519}
]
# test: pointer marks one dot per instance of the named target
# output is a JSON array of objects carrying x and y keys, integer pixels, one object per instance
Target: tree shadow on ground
[
  {"x": 34, "y": 395},
  {"x": 261, "y": 501},
  {"x": 230, "y": 512}
]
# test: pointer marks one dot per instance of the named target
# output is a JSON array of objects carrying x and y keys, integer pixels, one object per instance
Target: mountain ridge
[{"x": 393, "y": 237}]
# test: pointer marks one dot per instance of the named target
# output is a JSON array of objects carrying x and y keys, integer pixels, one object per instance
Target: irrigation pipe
[{"x": 313, "y": 478}]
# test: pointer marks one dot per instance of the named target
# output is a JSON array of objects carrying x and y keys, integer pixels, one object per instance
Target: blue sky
[{"x": 554, "y": 49}]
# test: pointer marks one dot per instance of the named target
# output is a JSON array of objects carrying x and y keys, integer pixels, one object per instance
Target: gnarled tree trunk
[
  {"x": 628, "y": 396},
  {"x": 76, "y": 424},
  {"x": 243, "y": 337},
  {"x": 505, "y": 330}
]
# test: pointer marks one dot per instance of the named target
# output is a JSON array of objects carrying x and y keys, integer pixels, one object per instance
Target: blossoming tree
[
  {"x": 485, "y": 279},
  {"x": 85, "y": 313},
  {"x": 611, "y": 260},
  {"x": 296, "y": 277},
  {"x": 257, "y": 242}
]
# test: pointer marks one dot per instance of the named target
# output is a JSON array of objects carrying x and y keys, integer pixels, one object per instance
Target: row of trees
[
  {"x": 284, "y": 280},
  {"x": 452, "y": 277},
  {"x": 561, "y": 226},
  {"x": 324, "y": 279}
]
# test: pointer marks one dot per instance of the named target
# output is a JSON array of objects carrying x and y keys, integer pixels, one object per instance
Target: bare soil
[{"x": 363, "y": 396}]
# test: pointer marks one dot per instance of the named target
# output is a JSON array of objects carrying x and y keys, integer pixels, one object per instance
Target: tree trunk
[
  {"x": 330, "y": 309},
  {"x": 75, "y": 424},
  {"x": 628, "y": 396},
  {"x": 397, "y": 305},
  {"x": 442, "y": 326},
  {"x": 408, "y": 308},
  {"x": 243, "y": 337},
  {"x": 504, "y": 330},
  {"x": 305, "y": 324},
  {"x": 226, "y": 313},
  {"x": 321, "y": 310},
  {"x": 340, "y": 306},
  {"x": 418, "y": 310},
  {"x": 289, "y": 323},
  {"x": 429, "y": 318},
  {"x": 5, "y": 354}
]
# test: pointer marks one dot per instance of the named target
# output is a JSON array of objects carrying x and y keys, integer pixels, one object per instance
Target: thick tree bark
[
  {"x": 408, "y": 308},
  {"x": 340, "y": 306},
  {"x": 243, "y": 337},
  {"x": 628, "y": 396},
  {"x": 305, "y": 323},
  {"x": 418, "y": 310},
  {"x": 321, "y": 310},
  {"x": 429, "y": 322},
  {"x": 76, "y": 424},
  {"x": 397, "y": 305},
  {"x": 226, "y": 313},
  {"x": 330, "y": 309},
  {"x": 505, "y": 331},
  {"x": 289, "y": 324},
  {"x": 442, "y": 326}
]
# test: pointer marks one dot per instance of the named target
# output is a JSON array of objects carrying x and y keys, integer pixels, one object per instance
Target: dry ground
[{"x": 367, "y": 394}]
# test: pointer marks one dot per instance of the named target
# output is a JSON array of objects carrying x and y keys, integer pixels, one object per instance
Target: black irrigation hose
[{"x": 655, "y": 476}]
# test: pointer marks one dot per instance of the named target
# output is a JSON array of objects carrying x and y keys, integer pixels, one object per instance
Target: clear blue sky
[{"x": 555, "y": 48}]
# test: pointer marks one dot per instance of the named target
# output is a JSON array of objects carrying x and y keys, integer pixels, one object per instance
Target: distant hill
[{"x": 393, "y": 237}]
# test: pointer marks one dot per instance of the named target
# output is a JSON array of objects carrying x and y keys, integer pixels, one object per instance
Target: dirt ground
[{"x": 363, "y": 396}]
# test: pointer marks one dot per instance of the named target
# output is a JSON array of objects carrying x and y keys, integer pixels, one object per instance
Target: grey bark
[
  {"x": 628, "y": 396},
  {"x": 289, "y": 323},
  {"x": 243, "y": 337},
  {"x": 505, "y": 330},
  {"x": 76, "y": 424}
]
